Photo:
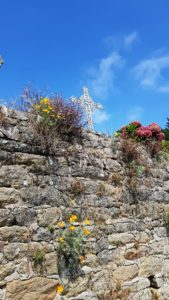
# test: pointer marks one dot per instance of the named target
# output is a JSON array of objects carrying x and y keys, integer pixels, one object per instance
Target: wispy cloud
[
  {"x": 135, "y": 113},
  {"x": 121, "y": 42},
  {"x": 130, "y": 39},
  {"x": 100, "y": 117},
  {"x": 102, "y": 77},
  {"x": 149, "y": 73}
]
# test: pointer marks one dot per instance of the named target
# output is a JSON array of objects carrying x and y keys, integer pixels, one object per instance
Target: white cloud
[
  {"x": 130, "y": 39},
  {"x": 100, "y": 117},
  {"x": 135, "y": 114},
  {"x": 102, "y": 77},
  {"x": 121, "y": 42},
  {"x": 149, "y": 73}
]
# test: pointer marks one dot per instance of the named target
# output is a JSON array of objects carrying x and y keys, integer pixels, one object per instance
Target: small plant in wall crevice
[
  {"x": 38, "y": 257},
  {"x": 72, "y": 238},
  {"x": 77, "y": 188},
  {"x": 102, "y": 190}
]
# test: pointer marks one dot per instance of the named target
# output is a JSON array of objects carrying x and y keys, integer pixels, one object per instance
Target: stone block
[
  {"x": 14, "y": 234},
  {"x": 9, "y": 196},
  {"x": 37, "y": 288}
]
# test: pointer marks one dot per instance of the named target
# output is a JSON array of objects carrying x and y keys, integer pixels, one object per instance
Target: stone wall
[{"x": 127, "y": 253}]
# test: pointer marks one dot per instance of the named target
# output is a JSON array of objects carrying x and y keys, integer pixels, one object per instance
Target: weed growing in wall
[
  {"x": 102, "y": 190},
  {"x": 51, "y": 228},
  {"x": 77, "y": 188},
  {"x": 38, "y": 257},
  {"x": 116, "y": 178},
  {"x": 72, "y": 238}
]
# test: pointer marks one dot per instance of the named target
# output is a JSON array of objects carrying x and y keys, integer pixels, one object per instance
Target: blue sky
[{"x": 119, "y": 49}]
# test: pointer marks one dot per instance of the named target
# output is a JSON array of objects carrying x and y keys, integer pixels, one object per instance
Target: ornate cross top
[{"x": 88, "y": 104}]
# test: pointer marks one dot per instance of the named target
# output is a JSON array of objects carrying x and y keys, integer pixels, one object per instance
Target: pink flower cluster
[
  {"x": 151, "y": 131},
  {"x": 141, "y": 133},
  {"x": 136, "y": 123},
  {"x": 144, "y": 132}
]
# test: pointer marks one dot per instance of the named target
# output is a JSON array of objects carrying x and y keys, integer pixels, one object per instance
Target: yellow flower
[
  {"x": 61, "y": 224},
  {"x": 59, "y": 289},
  {"x": 86, "y": 231},
  {"x": 61, "y": 239},
  {"x": 73, "y": 218},
  {"x": 87, "y": 222},
  {"x": 50, "y": 107},
  {"x": 71, "y": 228},
  {"x": 82, "y": 258},
  {"x": 37, "y": 106},
  {"x": 45, "y": 100},
  {"x": 45, "y": 110}
]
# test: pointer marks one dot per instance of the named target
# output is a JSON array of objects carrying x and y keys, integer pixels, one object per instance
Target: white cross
[{"x": 88, "y": 104}]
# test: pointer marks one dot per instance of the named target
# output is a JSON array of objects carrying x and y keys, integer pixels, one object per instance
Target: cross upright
[{"x": 88, "y": 104}]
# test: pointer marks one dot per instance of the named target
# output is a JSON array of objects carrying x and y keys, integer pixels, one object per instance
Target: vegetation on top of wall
[
  {"x": 136, "y": 131},
  {"x": 134, "y": 134},
  {"x": 51, "y": 116},
  {"x": 64, "y": 117}
]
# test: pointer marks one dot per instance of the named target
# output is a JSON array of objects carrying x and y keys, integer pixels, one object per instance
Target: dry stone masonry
[{"x": 127, "y": 253}]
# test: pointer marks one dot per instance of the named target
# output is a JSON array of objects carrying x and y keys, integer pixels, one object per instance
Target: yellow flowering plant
[
  {"x": 72, "y": 238},
  {"x": 59, "y": 114},
  {"x": 51, "y": 116},
  {"x": 48, "y": 113}
]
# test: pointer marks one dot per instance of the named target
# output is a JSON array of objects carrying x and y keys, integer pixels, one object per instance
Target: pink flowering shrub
[{"x": 136, "y": 131}]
